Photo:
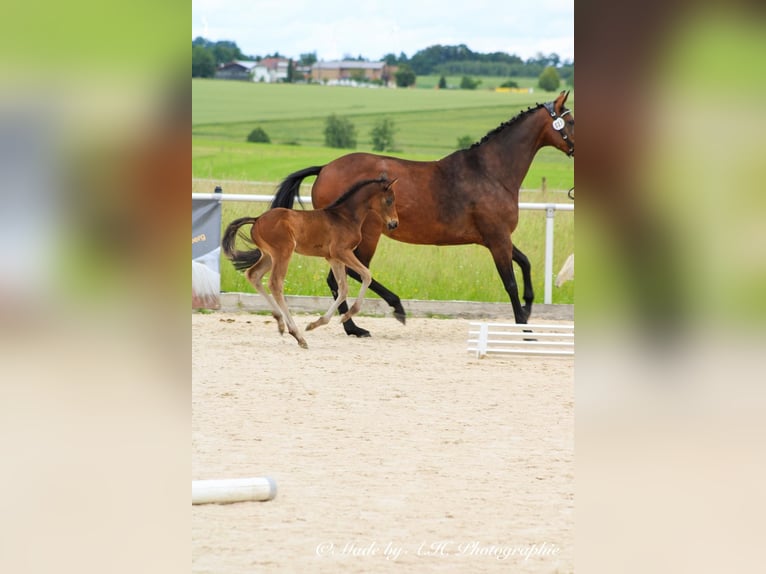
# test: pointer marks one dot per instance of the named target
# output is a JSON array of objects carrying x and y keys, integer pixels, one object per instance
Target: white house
[{"x": 243, "y": 70}]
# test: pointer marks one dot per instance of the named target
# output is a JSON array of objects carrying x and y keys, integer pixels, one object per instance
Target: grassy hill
[{"x": 428, "y": 124}]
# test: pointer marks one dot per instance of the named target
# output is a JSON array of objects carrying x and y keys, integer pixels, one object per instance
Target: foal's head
[
  {"x": 561, "y": 126},
  {"x": 374, "y": 194},
  {"x": 383, "y": 204}
]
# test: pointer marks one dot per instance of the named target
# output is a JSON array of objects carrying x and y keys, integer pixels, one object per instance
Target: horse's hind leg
[
  {"x": 255, "y": 276},
  {"x": 338, "y": 271},
  {"x": 276, "y": 284},
  {"x": 526, "y": 271}
]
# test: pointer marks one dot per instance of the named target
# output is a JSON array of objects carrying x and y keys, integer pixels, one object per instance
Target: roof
[
  {"x": 350, "y": 64},
  {"x": 274, "y": 63},
  {"x": 245, "y": 64}
]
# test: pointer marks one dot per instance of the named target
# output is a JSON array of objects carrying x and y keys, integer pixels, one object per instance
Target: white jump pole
[{"x": 228, "y": 490}]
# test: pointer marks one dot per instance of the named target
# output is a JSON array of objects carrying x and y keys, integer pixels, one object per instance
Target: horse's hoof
[
  {"x": 358, "y": 332},
  {"x": 528, "y": 310},
  {"x": 303, "y": 344},
  {"x": 401, "y": 317}
]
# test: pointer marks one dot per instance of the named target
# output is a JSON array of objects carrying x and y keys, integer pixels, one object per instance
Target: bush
[
  {"x": 404, "y": 76},
  {"x": 442, "y": 83},
  {"x": 382, "y": 135},
  {"x": 464, "y": 142},
  {"x": 509, "y": 84},
  {"x": 468, "y": 83},
  {"x": 549, "y": 80},
  {"x": 258, "y": 136},
  {"x": 339, "y": 132}
]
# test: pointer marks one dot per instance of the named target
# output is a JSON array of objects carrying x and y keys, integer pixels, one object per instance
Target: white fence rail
[
  {"x": 549, "y": 208},
  {"x": 532, "y": 339}
]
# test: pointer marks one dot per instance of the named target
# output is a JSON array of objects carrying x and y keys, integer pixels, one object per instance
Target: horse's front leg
[
  {"x": 354, "y": 265},
  {"x": 364, "y": 252},
  {"x": 338, "y": 271},
  {"x": 526, "y": 271},
  {"x": 502, "y": 254}
]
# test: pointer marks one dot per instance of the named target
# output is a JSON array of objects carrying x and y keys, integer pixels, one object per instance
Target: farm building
[
  {"x": 276, "y": 69},
  {"x": 240, "y": 70},
  {"x": 267, "y": 70},
  {"x": 347, "y": 71}
]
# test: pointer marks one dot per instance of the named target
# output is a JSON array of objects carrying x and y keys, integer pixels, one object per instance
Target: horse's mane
[
  {"x": 507, "y": 124},
  {"x": 354, "y": 188}
]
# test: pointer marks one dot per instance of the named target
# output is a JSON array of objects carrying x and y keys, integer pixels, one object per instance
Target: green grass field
[{"x": 428, "y": 123}]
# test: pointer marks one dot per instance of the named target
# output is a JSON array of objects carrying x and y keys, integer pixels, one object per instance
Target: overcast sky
[{"x": 373, "y": 28}]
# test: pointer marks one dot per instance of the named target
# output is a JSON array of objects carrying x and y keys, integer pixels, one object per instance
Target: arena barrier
[
  {"x": 545, "y": 339},
  {"x": 549, "y": 208},
  {"x": 229, "y": 490}
]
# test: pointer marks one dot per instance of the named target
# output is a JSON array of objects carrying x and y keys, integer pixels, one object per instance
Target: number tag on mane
[{"x": 558, "y": 123}]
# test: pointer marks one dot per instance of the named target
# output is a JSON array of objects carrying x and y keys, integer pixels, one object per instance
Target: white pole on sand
[{"x": 224, "y": 491}]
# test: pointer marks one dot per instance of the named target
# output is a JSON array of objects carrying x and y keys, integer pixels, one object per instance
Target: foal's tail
[
  {"x": 289, "y": 189},
  {"x": 240, "y": 259}
]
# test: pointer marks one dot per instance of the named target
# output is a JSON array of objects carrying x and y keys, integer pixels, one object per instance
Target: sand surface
[{"x": 400, "y": 452}]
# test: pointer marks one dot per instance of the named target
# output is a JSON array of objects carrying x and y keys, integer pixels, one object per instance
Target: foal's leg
[
  {"x": 526, "y": 272},
  {"x": 338, "y": 270},
  {"x": 354, "y": 264},
  {"x": 371, "y": 232},
  {"x": 255, "y": 276},
  {"x": 276, "y": 284}
]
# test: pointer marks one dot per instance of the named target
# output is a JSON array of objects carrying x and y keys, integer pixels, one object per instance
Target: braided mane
[{"x": 507, "y": 124}]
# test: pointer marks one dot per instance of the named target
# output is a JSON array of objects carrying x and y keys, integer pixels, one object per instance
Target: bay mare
[
  {"x": 331, "y": 232},
  {"x": 469, "y": 196}
]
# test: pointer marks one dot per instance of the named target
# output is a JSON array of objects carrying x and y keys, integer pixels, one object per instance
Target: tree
[
  {"x": 339, "y": 132},
  {"x": 468, "y": 83},
  {"x": 549, "y": 79},
  {"x": 290, "y": 72},
  {"x": 203, "y": 63},
  {"x": 404, "y": 76},
  {"x": 226, "y": 51},
  {"x": 442, "y": 83},
  {"x": 308, "y": 59},
  {"x": 464, "y": 142},
  {"x": 258, "y": 135},
  {"x": 382, "y": 135}
]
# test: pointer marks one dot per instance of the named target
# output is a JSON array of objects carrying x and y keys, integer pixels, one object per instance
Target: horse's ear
[
  {"x": 391, "y": 183},
  {"x": 564, "y": 95}
]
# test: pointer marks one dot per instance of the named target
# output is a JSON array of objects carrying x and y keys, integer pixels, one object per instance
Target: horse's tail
[
  {"x": 289, "y": 189},
  {"x": 240, "y": 259}
]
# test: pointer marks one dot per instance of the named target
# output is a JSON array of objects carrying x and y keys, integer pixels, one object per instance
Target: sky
[{"x": 335, "y": 29}]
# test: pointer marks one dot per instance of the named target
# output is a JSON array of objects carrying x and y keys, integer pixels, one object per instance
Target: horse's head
[
  {"x": 560, "y": 128},
  {"x": 387, "y": 206}
]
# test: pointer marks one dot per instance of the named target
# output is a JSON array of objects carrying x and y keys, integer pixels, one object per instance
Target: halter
[{"x": 558, "y": 125}]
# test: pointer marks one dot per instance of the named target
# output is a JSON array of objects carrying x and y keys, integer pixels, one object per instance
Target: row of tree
[
  {"x": 461, "y": 60},
  {"x": 443, "y": 60},
  {"x": 340, "y": 132}
]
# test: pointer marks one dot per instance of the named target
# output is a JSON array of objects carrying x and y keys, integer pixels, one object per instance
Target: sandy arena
[{"x": 401, "y": 452}]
